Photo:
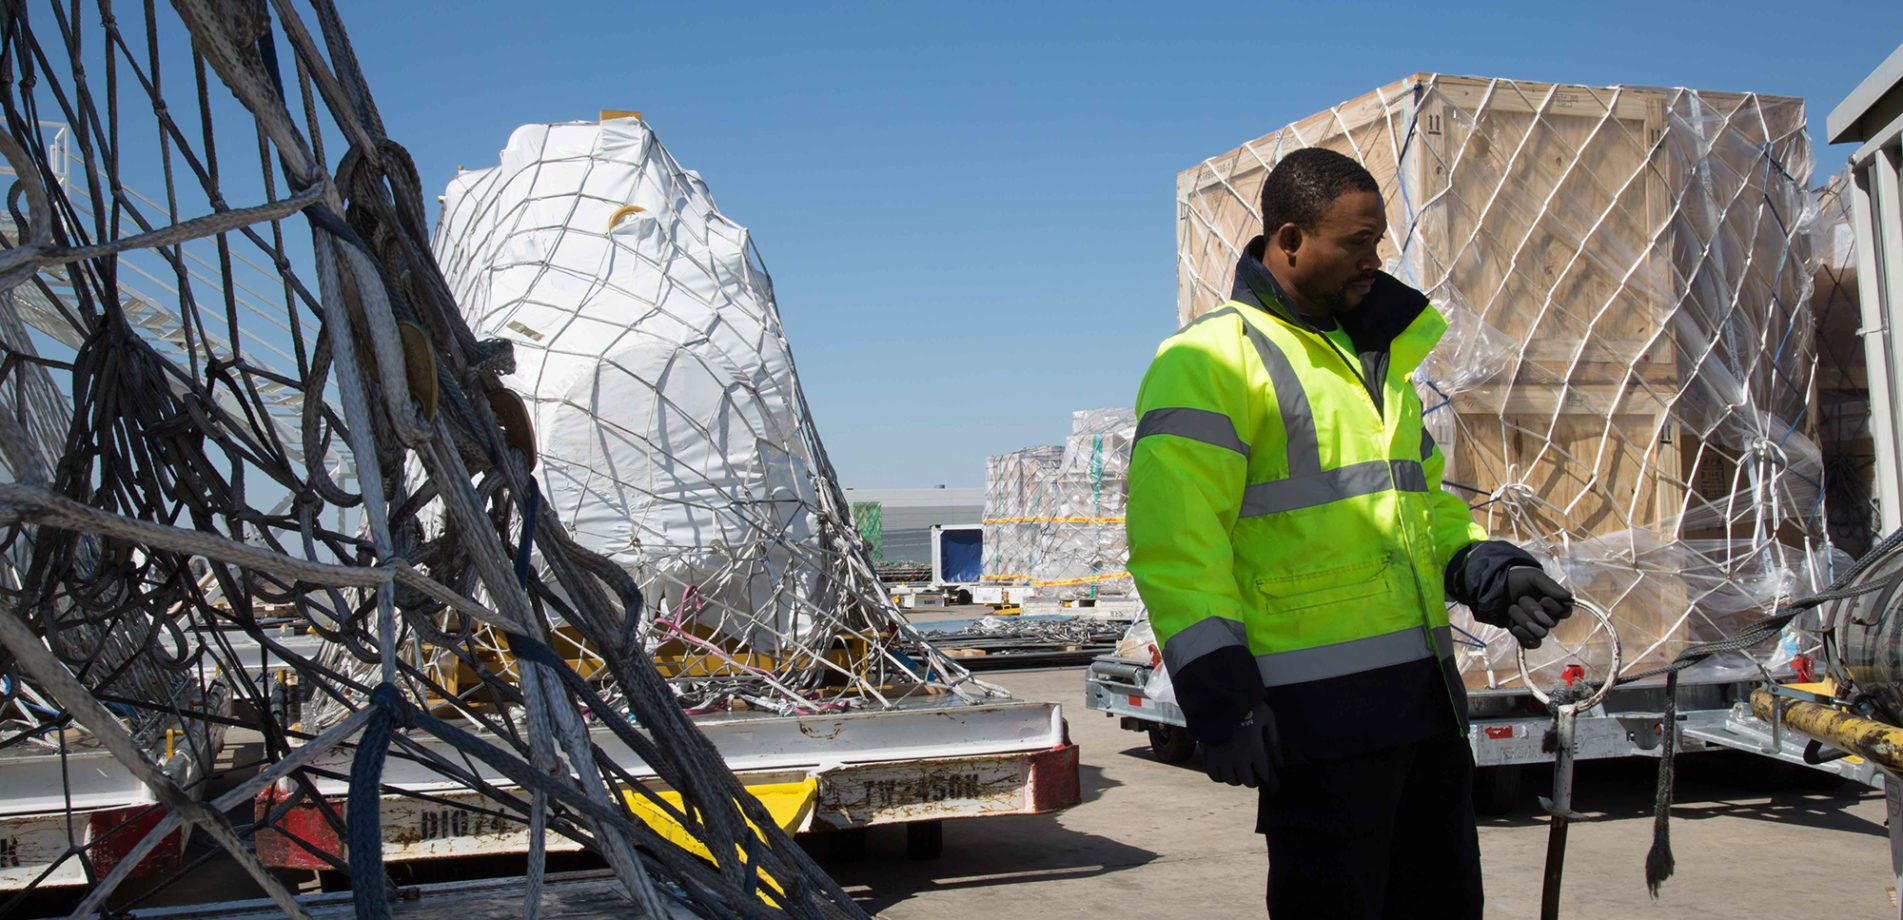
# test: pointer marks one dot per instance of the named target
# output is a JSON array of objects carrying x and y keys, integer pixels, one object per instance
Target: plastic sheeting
[
  {"x": 1054, "y": 516},
  {"x": 1843, "y": 386},
  {"x": 1627, "y": 275},
  {"x": 1015, "y": 508},
  {"x": 869, "y": 517},
  {"x": 672, "y": 431}
]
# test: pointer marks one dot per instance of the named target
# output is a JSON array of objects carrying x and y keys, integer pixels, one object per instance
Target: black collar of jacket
[{"x": 1390, "y": 307}]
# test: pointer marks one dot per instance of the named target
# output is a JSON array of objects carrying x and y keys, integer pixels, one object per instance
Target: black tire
[
  {"x": 1171, "y": 744},
  {"x": 1497, "y": 790},
  {"x": 925, "y": 840}
]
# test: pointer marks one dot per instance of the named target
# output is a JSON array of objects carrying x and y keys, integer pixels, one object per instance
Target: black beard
[{"x": 1335, "y": 303}]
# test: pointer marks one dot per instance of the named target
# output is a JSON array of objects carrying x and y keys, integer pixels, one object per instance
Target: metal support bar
[{"x": 1874, "y": 741}]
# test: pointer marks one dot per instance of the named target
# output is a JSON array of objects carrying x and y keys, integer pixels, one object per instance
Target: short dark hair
[{"x": 1301, "y": 186}]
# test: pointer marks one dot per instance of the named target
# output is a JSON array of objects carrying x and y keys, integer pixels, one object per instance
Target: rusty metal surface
[
  {"x": 1031, "y": 782},
  {"x": 1875, "y": 741},
  {"x": 951, "y": 787}
]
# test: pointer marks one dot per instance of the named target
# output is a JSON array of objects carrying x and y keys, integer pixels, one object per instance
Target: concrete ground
[{"x": 1156, "y": 841}]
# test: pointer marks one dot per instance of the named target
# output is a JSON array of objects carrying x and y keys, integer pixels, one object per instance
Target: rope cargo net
[
  {"x": 263, "y": 473},
  {"x": 674, "y": 437},
  {"x": 1623, "y": 388}
]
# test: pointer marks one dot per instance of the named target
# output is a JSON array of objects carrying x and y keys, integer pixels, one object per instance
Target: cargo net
[
  {"x": 674, "y": 439},
  {"x": 1842, "y": 382},
  {"x": 1623, "y": 389},
  {"x": 1053, "y": 518},
  {"x": 269, "y": 537}
]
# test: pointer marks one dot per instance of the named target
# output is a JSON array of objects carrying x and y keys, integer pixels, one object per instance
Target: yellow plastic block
[{"x": 790, "y": 804}]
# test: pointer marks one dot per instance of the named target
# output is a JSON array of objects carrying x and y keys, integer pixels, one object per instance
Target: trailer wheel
[
  {"x": 1171, "y": 744},
  {"x": 1497, "y": 789},
  {"x": 925, "y": 840}
]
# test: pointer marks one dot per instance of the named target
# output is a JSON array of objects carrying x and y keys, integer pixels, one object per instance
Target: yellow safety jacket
[{"x": 1285, "y": 498}]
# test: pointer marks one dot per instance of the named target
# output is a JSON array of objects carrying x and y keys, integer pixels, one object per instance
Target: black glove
[
  {"x": 1250, "y": 755},
  {"x": 1535, "y": 604}
]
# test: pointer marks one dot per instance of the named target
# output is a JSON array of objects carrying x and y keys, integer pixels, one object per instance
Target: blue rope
[
  {"x": 531, "y": 507},
  {"x": 363, "y": 821},
  {"x": 1472, "y": 640}
]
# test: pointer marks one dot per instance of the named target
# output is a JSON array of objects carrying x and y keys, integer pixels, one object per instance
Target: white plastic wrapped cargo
[
  {"x": 1080, "y": 549},
  {"x": 1015, "y": 500},
  {"x": 672, "y": 434}
]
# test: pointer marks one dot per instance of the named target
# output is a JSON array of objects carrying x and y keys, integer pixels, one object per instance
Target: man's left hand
[{"x": 1535, "y": 604}]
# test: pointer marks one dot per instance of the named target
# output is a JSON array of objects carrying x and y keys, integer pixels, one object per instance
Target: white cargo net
[
  {"x": 1623, "y": 387},
  {"x": 672, "y": 432}
]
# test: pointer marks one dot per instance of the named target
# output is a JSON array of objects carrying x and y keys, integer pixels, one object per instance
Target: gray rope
[{"x": 153, "y": 539}]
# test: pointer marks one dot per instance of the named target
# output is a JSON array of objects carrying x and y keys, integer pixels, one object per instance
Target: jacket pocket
[{"x": 1302, "y": 590}]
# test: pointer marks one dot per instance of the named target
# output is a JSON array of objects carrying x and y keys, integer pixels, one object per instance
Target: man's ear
[{"x": 1288, "y": 238}]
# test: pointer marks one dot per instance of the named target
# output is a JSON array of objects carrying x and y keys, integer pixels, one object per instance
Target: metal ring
[{"x": 1612, "y": 674}]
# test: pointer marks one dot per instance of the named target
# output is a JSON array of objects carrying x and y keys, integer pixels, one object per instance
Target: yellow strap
[
  {"x": 1053, "y": 520},
  {"x": 1080, "y": 581}
]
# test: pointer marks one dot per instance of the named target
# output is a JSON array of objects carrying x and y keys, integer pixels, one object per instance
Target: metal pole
[
  {"x": 1560, "y": 807},
  {"x": 1565, "y": 718},
  {"x": 1878, "y": 742}
]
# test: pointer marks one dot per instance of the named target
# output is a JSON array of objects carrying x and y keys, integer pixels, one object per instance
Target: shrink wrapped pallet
[
  {"x": 1080, "y": 549},
  {"x": 1054, "y": 515},
  {"x": 1015, "y": 505},
  {"x": 1623, "y": 390}
]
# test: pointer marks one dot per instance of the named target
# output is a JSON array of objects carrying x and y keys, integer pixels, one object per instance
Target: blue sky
[{"x": 968, "y": 208}]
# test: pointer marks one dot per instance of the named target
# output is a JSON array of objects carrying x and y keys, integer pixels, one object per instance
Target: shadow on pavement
[
  {"x": 1708, "y": 786},
  {"x": 984, "y": 852}
]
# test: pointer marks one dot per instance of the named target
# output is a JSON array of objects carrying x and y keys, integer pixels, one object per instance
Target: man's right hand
[{"x": 1249, "y": 757}]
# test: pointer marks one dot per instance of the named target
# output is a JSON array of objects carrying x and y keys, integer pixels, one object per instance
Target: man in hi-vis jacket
[{"x": 1290, "y": 538}]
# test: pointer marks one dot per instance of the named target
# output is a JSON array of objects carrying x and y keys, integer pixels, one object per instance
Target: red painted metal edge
[
  {"x": 1053, "y": 779},
  {"x": 113, "y": 832},
  {"x": 288, "y": 843}
]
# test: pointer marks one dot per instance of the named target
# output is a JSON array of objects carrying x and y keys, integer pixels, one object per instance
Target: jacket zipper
[{"x": 1427, "y": 630}]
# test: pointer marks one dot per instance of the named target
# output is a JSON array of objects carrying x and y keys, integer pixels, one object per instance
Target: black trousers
[{"x": 1377, "y": 836}]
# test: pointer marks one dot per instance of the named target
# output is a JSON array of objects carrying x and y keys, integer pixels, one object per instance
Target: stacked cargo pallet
[
  {"x": 1626, "y": 276},
  {"x": 1054, "y": 515}
]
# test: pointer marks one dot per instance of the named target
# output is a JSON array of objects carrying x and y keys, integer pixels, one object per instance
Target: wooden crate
[{"x": 1558, "y": 219}]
